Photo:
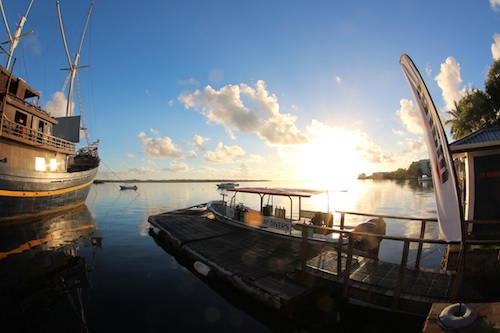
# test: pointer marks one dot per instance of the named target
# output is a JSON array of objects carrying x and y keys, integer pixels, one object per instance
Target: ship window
[
  {"x": 20, "y": 118},
  {"x": 40, "y": 164},
  {"x": 53, "y": 164},
  {"x": 41, "y": 125}
]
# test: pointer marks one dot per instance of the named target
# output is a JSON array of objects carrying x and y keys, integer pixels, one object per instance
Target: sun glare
[{"x": 331, "y": 160}]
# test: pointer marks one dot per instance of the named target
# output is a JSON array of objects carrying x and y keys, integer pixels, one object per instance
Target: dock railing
[
  {"x": 348, "y": 251},
  {"x": 33, "y": 137}
]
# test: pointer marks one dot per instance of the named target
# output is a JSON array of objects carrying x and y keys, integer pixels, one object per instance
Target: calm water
[{"x": 97, "y": 269}]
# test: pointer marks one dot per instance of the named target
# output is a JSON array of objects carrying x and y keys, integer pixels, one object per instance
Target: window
[
  {"x": 53, "y": 164},
  {"x": 20, "y": 118},
  {"x": 40, "y": 164}
]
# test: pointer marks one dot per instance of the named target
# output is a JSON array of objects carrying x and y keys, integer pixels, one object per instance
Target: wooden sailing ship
[{"x": 40, "y": 167}]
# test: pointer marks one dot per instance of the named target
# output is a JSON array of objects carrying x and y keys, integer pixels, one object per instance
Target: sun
[{"x": 331, "y": 159}]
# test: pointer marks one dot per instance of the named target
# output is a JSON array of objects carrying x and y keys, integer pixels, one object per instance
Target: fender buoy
[
  {"x": 201, "y": 268},
  {"x": 156, "y": 230},
  {"x": 456, "y": 316}
]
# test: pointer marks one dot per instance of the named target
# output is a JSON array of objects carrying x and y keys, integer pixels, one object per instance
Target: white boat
[
  {"x": 280, "y": 221},
  {"x": 424, "y": 179},
  {"x": 224, "y": 186}
]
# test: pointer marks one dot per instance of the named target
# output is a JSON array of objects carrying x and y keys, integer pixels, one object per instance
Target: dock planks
[
  {"x": 268, "y": 267},
  {"x": 264, "y": 264}
]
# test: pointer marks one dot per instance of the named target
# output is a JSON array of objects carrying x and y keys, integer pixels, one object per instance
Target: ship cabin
[
  {"x": 477, "y": 162},
  {"x": 27, "y": 139}
]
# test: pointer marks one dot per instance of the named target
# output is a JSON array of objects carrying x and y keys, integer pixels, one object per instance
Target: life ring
[{"x": 456, "y": 316}]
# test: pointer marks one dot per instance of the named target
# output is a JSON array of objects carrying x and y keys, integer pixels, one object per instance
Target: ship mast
[
  {"x": 14, "y": 40},
  {"x": 73, "y": 65}
]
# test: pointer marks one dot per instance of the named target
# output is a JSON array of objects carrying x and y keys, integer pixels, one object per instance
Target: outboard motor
[{"x": 370, "y": 244}]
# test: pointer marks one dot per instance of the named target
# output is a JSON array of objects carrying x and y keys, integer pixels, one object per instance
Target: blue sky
[{"x": 278, "y": 90}]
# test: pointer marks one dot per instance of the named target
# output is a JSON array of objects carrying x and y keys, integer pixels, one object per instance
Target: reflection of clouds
[{"x": 144, "y": 228}]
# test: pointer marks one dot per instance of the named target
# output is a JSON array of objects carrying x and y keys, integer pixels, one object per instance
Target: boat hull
[
  {"x": 25, "y": 193},
  {"x": 293, "y": 230}
]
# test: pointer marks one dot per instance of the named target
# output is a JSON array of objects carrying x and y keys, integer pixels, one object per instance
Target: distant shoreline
[{"x": 101, "y": 181}]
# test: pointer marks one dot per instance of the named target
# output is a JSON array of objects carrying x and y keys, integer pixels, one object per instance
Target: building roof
[{"x": 485, "y": 138}]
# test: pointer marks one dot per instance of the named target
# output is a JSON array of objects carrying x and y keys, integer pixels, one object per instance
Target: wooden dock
[{"x": 280, "y": 272}]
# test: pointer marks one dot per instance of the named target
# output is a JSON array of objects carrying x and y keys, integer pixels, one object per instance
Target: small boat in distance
[
  {"x": 128, "y": 187},
  {"x": 424, "y": 179},
  {"x": 225, "y": 186},
  {"x": 41, "y": 168}
]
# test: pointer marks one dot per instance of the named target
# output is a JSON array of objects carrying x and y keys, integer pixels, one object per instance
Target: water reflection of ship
[{"x": 40, "y": 265}]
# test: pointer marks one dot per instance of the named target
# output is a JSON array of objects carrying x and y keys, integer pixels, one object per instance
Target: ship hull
[{"x": 24, "y": 193}]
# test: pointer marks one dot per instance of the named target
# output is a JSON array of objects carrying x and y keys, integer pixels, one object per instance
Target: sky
[{"x": 275, "y": 90}]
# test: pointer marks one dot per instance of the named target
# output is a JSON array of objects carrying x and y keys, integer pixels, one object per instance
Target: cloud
[
  {"x": 189, "y": 82},
  {"x": 128, "y": 155},
  {"x": 448, "y": 80},
  {"x": 198, "y": 142},
  {"x": 408, "y": 116},
  {"x": 495, "y": 47},
  {"x": 397, "y": 132},
  {"x": 179, "y": 167},
  {"x": 140, "y": 170},
  {"x": 415, "y": 145},
  {"x": 154, "y": 132},
  {"x": 371, "y": 152},
  {"x": 255, "y": 158},
  {"x": 247, "y": 110},
  {"x": 57, "y": 104},
  {"x": 338, "y": 79},
  {"x": 159, "y": 147},
  {"x": 495, "y": 5},
  {"x": 224, "y": 154},
  {"x": 192, "y": 154}
]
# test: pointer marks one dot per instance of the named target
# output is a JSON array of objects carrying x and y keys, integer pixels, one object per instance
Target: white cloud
[
  {"x": 246, "y": 109},
  {"x": 409, "y": 117},
  {"x": 192, "y": 154},
  {"x": 159, "y": 147},
  {"x": 415, "y": 145},
  {"x": 57, "y": 104},
  {"x": 198, "y": 142},
  {"x": 397, "y": 132},
  {"x": 140, "y": 170},
  {"x": 128, "y": 155},
  {"x": 224, "y": 154},
  {"x": 154, "y": 132},
  {"x": 449, "y": 80},
  {"x": 255, "y": 158},
  {"x": 180, "y": 167},
  {"x": 495, "y": 47},
  {"x": 495, "y": 5},
  {"x": 338, "y": 79}
]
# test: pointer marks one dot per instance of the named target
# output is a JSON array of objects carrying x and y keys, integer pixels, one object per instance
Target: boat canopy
[{"x": 287, "y": 192}]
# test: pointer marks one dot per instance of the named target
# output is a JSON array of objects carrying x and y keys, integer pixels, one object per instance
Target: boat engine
[{"x": 370, "y": 244}]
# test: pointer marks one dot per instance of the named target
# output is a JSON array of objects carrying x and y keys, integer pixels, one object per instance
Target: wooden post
[
  {"x": 348, "y": 266},
  {"x": 303, "y": 253},
  {"x": 420, "y": 245},
  {"x": 401, "y": 277}
]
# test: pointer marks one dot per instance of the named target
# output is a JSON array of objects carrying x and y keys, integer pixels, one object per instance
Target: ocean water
[{"x": 97, "y": 269}]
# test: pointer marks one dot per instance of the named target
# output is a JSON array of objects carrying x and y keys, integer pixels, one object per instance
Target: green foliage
[{"x": 478, "y": 109}]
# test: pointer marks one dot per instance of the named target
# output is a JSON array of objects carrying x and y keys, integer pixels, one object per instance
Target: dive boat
[
  {"x": 41, "y": 168},
  {"x": 281, "y": 221}
]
